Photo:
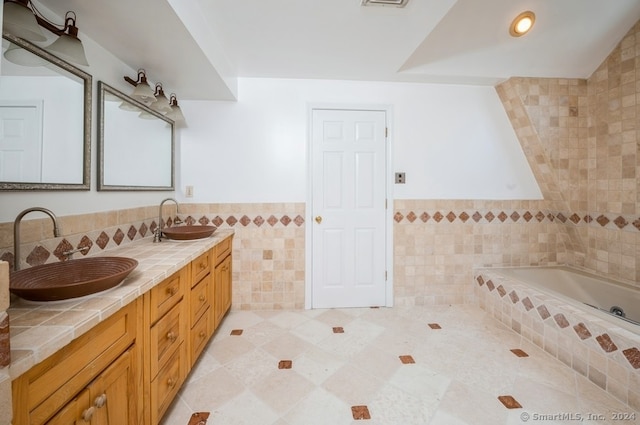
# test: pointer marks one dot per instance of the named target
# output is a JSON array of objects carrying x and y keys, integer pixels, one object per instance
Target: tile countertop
[{"x": 39, "y": 329}]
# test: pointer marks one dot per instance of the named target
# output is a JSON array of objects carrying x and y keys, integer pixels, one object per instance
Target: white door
[
  {"x": 21, "y": 142},
  {"x": 348, "y": 184}
]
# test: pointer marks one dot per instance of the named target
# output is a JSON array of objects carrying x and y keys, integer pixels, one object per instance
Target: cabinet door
[
  {"x": 113, "y": 395},
  {"x": 222, "y": 291},
  {"x": 76, "y": 412}
]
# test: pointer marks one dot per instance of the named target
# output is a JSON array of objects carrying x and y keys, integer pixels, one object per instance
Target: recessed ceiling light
[
  {"x": 522, "y": 24},
  {"x": 396, "y": 3}
]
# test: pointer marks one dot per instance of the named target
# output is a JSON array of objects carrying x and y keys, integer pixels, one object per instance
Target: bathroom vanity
[{"x": 120, "y": 356}]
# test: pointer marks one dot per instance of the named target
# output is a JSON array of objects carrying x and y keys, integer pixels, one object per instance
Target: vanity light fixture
[
  {"x": 161, "y": 103},
  {"x": 142, "y": 92},
  {"x": 522, "y": 24},
  {"x": 22, "y": 19},
  {"x": 19, "y": 56},
  {"x": 176, "y": 113}
]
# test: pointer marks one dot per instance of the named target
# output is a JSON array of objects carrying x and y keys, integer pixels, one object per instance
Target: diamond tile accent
[
  {"x": 258, "y": 221},
  {"x": 143, "y": 230},
  {"x": 245, "y": 221},
  {"x": 438, "y": 217},
  {"x": 231, "y": 221},
  {"x": 518, "y": 352},
  {"x": 489, "y": 216},
  {"x": 299, "y": 220},
  {"x": 451, "y": 216},
  {"x": 582, "y": 331},
  {"x": 561, "y": 217},
  {"x": 131, "y": 234},
  {"x": 587, "y": 219},
  {"x": 514, "y": 297},
  {"x": 501, "y": 291},
  {"x": 602, "y": 220},
  {"x": 85, "y": 242},
  {"x": 38, "y": 256},
  {"x": 204, "y": 221},
  {"x": 236, "y": 332},
  {"x": 285, "y": 220},
  {"x": 509, "y": 402},
  {"x": 199, "y": 418},
  {"x": 407, "y": 359},
  {"x": 490, "y": 285},
  {"x": 63, "y": 246},
  {"x": 633, "y": 356},
  {"x": 480, "y": 280},
  {"x": 527, "y": 216},
  {"x": 543, "y": 312},
  {"x": 528, "y": 305},
  {"x": 118, "y": 237},
  {"x": 476, "y": 216},
  {"x": 515, "y": 216},
  {"x": 620, "y": 222},
  {"x": 285, "y": 364},
  {"x": 360, "y": 412},
  {"x": 338, "y": 330},
  {"x": 540, "y": 216},
  {"x": 575, "y": 218},
  {"x": 425, "y": 217},
  {"x": 464, "y": 217},
  {"x": 561, "y": 320},
  {"x": 502, "y": 216},
  {"x": 102, "y": 240},
  {"x": 218, "y": 221},
  {"x": 411, "y": 217},
  {"x": 434, "y": 326},
  {"x": 606, "y": 343},
  {"x": 398, "y": 217}
]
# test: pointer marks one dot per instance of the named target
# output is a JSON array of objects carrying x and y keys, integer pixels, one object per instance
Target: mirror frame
[
  {"x": 103, "y": 89},
  {"x": 88, "y": 89}
]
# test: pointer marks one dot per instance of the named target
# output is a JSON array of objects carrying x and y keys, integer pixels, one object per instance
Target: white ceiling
[{"x": 197, "y": 47}]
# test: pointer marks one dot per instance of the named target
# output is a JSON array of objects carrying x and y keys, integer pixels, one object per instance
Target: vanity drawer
[
  {"x": 166, "y": 385},
  {"x": 167, "y": 294},
  {"x": 200, "y": 335},
  {"x": 200, "y": 299},
  {"x": 200, "y": 267},
  {"x": 166, "y": 337},
  {"x": 222, "y": 250}
]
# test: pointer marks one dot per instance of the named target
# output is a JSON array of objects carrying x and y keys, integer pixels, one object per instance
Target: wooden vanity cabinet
[
  {"x": 222, "y": 280},
  {"x": 92, "y": 380},
  {"x": 200, "y": 305}
]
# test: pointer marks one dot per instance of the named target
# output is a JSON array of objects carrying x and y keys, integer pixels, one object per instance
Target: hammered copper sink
[
  {"x": 70, "y": 279},
  {"x": 186, "y": 233}
]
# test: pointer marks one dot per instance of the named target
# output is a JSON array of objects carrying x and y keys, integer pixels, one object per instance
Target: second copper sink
[
  {"x": 70, "y": 279},
  {"x": 185, "y": 233}
]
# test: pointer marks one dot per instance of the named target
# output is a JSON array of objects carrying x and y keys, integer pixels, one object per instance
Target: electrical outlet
[
  {"x": 188, "y": 191},
  {"x": 400, "y": 178}
]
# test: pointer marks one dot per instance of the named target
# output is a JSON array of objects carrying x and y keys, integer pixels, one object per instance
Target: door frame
[{"x": 389, "y": 182}]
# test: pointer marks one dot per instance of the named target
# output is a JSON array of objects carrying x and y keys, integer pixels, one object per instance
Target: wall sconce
[
  {"x": 142, "y": 91},
  {"x": 162, "y": 103},
  {"x": 176, "y": 113},
  {"x": 22, "y": 19}
]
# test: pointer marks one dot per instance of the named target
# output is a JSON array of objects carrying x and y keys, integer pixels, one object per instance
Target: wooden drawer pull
[
  {"x": 202, "y": 298},
  {"x": 172, "y": 336},
  {"x": 203, "y": 266},
  {"x": 171, "y": 382},
  {"x": 88, "y": 414},
  {"x": 172, "y": 290},
  {"x": 202, "y": 334},
  {"x": 100, "y": 401}
]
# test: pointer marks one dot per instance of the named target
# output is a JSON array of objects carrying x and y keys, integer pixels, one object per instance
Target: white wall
[{"x": 453, "y": 142}]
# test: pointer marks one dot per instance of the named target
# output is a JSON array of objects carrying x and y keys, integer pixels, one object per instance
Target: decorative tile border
[
  {"x": 567, "y": 333},
  {"x": 607, "y": 221}
]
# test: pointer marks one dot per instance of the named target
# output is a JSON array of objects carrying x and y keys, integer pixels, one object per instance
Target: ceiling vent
[{"x": 395, "y": 3}]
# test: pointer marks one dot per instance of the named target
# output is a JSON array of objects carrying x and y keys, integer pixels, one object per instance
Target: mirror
[
  {"x": 135, "y": 144},
  {"x": 45, "y": 121}
]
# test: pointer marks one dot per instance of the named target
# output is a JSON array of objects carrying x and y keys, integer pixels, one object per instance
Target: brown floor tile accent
[
  {"x": 285, "y": 364},
  {"x": 434, "y": 326},
  {"x": 501, "y": 291},
  {"x": 582, "y": 331},
  {"x": 236, "y": 332},
  {"x": 633, "y": 356},
  {"x": 509, "y": 402},
  {"x": 518, "y": 352},
  {"x": 605, "y": 342},
  {"x": 199, "y": 418},
  {"x": 514, "y": 297},
  {"x": 407, "y": 359},
  {"x": 490, "y": 285},
  {"x": 360, "y": 412},
  {"x": 338, "y": 330},
  {"x": 543, "y": 312},
  {"x": 480, "y": 280}
]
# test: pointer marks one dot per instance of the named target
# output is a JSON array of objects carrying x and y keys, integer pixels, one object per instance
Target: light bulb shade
[
  {"x": 143, "y": 92},
  {"x": 68, "y": 48},
  {"x": 19, "y": 56},
  {"x": 19, "y": 20},
  {"x": 175, "y": 114},
  {"x": 161, "y": 104}
]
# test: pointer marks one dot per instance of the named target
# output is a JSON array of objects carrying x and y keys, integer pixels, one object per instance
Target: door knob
[{"x": 319, "y": 219}]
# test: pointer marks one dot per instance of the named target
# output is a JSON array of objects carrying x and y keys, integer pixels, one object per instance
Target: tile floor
[{"x": 384, "y": 366}]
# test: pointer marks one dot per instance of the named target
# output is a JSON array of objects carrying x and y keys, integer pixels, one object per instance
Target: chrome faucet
[
  {"x": 157, "y": 237},
  {"x": 16, "y": 231}
]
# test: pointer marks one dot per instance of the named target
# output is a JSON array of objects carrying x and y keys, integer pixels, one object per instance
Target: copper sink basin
[
  {"x": 185, "y": 233},
  {"x": 70, "y": 279}
]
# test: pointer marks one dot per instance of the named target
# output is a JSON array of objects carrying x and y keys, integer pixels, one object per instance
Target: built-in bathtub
[{"x": 566, "y": 312}]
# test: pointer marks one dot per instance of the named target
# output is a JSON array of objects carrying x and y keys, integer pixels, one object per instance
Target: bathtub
[
  {"x": 575, "y": 286},
  {"x": 565, "y": 312}
]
